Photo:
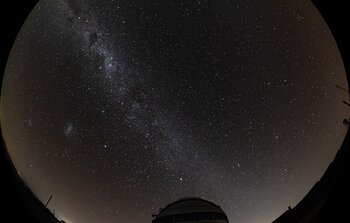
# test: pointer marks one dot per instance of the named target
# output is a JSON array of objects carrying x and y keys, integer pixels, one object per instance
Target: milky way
[{"x": 117, "y": 108}]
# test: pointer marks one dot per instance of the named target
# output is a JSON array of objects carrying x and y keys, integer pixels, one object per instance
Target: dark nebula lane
[{"x": 117, "y": 108}]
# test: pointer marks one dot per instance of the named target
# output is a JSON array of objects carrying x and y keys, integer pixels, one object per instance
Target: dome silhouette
[{"x": 191, "y": 210}]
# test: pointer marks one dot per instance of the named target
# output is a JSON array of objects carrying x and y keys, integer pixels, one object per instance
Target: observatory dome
[{"x": 191, "y": 210}]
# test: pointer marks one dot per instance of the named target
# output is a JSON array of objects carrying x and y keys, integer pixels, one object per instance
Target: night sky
[{"x": 117, "y": 108}]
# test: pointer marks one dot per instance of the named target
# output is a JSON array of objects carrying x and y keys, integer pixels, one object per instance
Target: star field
[{"x": 117, "y": 108}]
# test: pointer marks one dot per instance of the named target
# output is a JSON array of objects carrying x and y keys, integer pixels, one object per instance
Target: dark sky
[{"x": 117, "y": 108}]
